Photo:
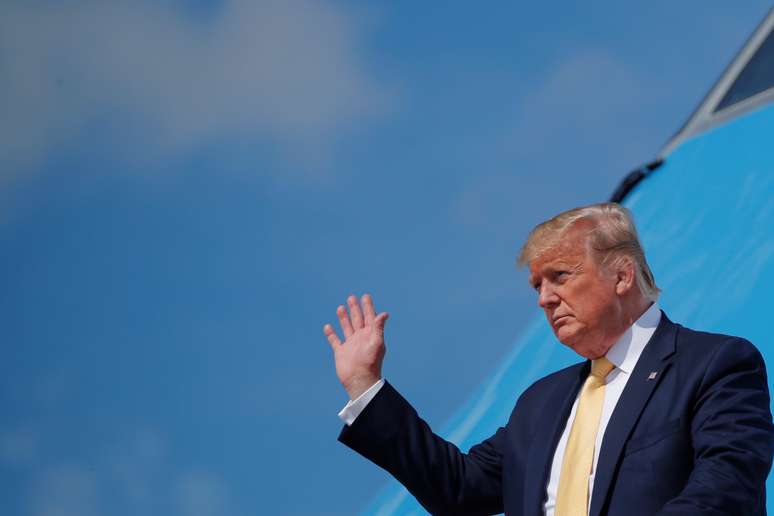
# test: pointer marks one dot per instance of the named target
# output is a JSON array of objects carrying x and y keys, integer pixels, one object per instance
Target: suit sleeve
[
  {"x": 443, "y": 479},
  {"x": 732, "y": 436}
]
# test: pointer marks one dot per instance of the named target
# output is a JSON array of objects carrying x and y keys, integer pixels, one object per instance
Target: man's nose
[{"x": 546, "y": 296}]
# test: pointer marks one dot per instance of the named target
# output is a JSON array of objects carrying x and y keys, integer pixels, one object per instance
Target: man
[{"x": 659, "y": 419}]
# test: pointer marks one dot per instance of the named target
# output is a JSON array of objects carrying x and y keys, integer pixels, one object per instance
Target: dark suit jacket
[{"x": 696, "y": 439}]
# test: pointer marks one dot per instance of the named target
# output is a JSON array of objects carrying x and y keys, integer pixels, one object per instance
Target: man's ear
[{"x": 624, "y": 275}]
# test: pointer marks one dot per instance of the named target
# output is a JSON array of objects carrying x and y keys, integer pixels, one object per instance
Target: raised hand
[{"x": 359, "y": 358}]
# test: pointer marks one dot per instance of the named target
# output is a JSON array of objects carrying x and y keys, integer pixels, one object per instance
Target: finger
[
  {"x": 380, "y": 320},
  {"x": 354, "y": 313},
  {"x": 368, "y": 310},
  {"x": 346, "y": 326},
  {"x": 333, "y": 339}
]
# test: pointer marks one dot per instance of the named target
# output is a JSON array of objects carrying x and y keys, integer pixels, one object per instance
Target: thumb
[{"x": 380, "y": 320}]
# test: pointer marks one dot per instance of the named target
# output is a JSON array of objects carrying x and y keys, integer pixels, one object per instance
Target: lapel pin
[{"x": 652, "y": 375}]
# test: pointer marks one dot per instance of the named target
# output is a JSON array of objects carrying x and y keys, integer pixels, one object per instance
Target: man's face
[{"x": 578, "y": 297}]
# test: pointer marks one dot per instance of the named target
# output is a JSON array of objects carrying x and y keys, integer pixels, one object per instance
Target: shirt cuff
[{"x": 353, "y": 408}]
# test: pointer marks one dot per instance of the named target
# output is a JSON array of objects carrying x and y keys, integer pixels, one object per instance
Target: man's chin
[
  {"x": 570, "y": 343},
  {"x": 584, "y": 351},
  {"x": 577, "y": 346},
  {"x": 566, "y": 336}
]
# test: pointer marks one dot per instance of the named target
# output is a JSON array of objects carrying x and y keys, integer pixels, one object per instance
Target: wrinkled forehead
[
  {"x": 567, "y": 249},
  {"x": 557, "y": 257}
]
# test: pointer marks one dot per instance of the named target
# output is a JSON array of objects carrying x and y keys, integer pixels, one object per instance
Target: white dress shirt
[
  {"x": 353, "y": 408},
  {"x": 624, "y": 355}
]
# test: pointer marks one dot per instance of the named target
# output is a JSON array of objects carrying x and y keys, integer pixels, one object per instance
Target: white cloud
[
  {"x": 65, "y": 491},
  {"x": 137, "y": 467},
  {"x": 589, "y": 97},
  {"x": 19, "y": 447},
  {"x": 134, "y": 475},
  {"x": 586, "y": 118},
  {"x": 159, "y": 78},
  {"x": 201, "y": 493}
]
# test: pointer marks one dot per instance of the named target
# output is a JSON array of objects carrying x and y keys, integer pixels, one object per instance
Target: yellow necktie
[{"x": 572, "y": 497}]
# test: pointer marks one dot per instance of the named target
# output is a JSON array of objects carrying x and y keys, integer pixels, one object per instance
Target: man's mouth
[{"x": 560, "y": 320}]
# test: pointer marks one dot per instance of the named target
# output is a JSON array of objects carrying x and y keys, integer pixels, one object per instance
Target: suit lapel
[
  {"x": 655, "y": 358},
  {"x": 550, "y": 424}
]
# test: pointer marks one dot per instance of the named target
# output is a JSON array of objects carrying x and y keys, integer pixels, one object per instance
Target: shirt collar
[{"x": 627, "y": 350}]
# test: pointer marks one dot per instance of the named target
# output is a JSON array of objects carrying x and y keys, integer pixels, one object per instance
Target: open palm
[{"x": 359, "y": 358}]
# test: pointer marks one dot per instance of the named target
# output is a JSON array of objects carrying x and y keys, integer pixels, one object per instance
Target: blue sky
[{"x": 189, "y": 189}]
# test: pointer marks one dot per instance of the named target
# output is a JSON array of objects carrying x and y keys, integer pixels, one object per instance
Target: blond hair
[{"x": 612, "y": 236}]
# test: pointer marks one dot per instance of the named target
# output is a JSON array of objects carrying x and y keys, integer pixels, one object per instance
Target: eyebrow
[{"x": 548, "y": 269}]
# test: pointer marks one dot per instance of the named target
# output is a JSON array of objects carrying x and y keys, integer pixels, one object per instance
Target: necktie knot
[{"x": 601, "y": 367}]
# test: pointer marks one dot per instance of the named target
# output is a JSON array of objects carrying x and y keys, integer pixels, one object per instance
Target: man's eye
[
  {"x": 562, "y": 275},
  {"x": 536, "y": 286}
]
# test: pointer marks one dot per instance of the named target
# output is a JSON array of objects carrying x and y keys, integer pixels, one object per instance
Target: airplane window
[{"x": 757, "y": 76}]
